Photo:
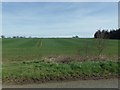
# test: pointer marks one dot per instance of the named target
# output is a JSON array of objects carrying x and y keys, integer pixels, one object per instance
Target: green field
[
  {"x": 31, "y": 49},
  {"x": 35, "y": 59}
]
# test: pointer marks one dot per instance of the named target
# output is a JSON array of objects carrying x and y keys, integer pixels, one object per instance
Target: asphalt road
[{"x": 108, "y": 83}]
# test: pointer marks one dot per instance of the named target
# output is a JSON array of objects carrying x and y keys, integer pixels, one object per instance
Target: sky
[
  {"x": 58, "y": 19},
  {"x": 0, "y": 18},
  {"x": 60, "y": 0}
]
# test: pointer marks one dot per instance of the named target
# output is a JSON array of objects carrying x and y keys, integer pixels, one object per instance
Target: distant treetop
[{"x": 105, "y": 34}]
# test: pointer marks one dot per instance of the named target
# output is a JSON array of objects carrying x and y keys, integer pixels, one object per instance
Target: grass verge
[{"x": 41, "y": 71}]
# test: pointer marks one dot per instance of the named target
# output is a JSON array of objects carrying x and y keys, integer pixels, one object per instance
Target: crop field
[
  {"x": 31, "y": 49},
  {"x": 45, "y": 59}
]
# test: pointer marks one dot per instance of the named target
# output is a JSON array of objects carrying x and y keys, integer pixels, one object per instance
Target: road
[{"x": 108, "y": 83}]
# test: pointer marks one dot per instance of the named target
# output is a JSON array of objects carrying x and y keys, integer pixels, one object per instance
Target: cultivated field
[{"x": 46, "y": 59}]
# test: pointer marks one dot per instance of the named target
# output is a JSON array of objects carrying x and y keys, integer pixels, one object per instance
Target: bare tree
[{"x": 101, "y": 43}]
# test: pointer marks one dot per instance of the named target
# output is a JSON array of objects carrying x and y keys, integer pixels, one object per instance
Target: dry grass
[{"x": 67, "y": 59}]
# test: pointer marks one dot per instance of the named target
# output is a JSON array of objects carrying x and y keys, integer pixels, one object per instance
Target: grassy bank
[{"x": 40, "y": 71}]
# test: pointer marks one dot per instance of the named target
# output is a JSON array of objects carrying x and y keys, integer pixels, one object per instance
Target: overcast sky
[{"x": 64, "y": 19}]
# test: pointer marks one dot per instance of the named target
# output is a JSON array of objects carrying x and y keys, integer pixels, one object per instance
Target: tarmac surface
[{"x": 103, "y": 83}]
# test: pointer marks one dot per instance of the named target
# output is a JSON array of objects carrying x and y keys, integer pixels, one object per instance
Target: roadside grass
[{"x": 40, "y": 71}]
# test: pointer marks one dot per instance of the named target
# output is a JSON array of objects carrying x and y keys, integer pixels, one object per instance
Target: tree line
[
  {"x": 105, "y": 34},
  {"x": 2, "y": 36}
]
